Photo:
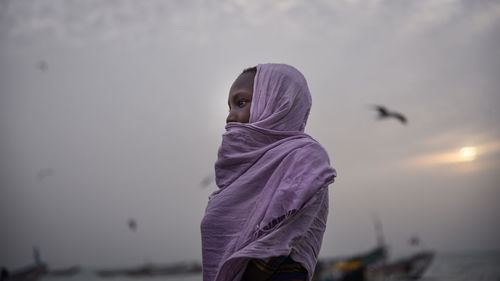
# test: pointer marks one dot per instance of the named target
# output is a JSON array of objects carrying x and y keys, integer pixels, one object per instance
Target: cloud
[
  {"x": 428, "y": 14},
  {"x": 73, "y": 22}
]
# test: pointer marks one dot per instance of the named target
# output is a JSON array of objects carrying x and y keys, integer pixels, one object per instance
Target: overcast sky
[{"x": 111, "y": 110}]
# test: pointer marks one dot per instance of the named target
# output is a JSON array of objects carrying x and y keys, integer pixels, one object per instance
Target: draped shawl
[{"x": 272, "y": 177}]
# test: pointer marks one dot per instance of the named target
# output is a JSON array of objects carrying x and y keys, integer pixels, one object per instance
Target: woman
[{"x": 266, "y": 221}]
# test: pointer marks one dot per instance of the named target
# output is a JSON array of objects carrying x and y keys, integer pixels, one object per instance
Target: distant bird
[
  {"x": 42, "y": 65},
  {"x": 384, "y": 113},
  {"x": 132, "y": 224},
  {"x": 207, "y": 181},
  {"x": 414, "y": 240},
  {"x": 43, "y": 173}
]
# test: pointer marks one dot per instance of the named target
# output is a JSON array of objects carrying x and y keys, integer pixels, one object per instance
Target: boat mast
[{"x": 378, "y": 230}]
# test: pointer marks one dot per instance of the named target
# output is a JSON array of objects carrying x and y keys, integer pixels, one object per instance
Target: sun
[{"x": 467, "y": 153}]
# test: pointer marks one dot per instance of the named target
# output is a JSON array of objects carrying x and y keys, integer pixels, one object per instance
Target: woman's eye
[{"x": 242, "y": 102}]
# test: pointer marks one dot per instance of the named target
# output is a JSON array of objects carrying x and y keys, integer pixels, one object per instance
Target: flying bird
[
  {"x": 384, "y": 113},
  {"x": 132, "y": 224},
  {"x": 207, "y": 181},
  {"x": 414, "y": 240},
  {"x": 42, "y": 65}
]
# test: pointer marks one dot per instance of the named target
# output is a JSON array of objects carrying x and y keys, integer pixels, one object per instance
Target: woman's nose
[{"x": 230, "y": 118}]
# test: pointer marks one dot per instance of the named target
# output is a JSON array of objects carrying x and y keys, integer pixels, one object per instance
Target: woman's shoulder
[
  {"x": 311, "y": 147},
  {"x": 306, "y": 153}
]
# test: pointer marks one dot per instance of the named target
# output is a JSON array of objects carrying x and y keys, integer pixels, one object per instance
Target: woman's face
[{"x": 240, "y": 97}]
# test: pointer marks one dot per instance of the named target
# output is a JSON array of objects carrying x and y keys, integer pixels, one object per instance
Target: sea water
[
  {"x": 445, "y": 267},
  {"x": 464, "y": 267}
]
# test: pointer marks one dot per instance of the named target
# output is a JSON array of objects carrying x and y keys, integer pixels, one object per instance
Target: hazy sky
[{"x": 111, "y": 110}]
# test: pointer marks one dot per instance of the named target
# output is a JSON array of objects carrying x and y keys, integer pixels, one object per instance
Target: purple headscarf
[{"x": 272, "y": 178}]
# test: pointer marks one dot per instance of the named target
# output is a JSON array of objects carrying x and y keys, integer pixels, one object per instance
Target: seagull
[
  {"x": 132, "y": 224},
  {"x": 384, "y": 113},
  {"x": 414, "y": 240},
  {"x": 207, "y": 181},
  {"x": 42, "y": 65}
]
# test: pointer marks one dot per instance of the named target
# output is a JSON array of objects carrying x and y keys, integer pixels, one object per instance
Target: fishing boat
[
  {"x": 30, "y": 272},
  {"x": 408, "y": 268},
  {"x": 349, "y": 268},
  {"x": 373, "y": 265},
  {"x": 153, "y": 270}
]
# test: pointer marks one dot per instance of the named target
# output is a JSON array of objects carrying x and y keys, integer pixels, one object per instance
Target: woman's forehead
[{"x": 245, "y": 80}]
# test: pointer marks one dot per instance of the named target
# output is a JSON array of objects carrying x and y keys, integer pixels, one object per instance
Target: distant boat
[
  {"x": 373, "y": 265},
  {"x": 30, "y": 272},
  {"x": 65, "y": 272},
  {"x": 152, "y": 270},
  {"x": 36, "y": 270},
  {"x": 409, "y": 268},
  {"x": 349, "y": 268}
]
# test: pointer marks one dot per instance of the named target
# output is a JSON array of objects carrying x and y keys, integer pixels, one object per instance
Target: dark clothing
[{"x": 281, "y": 268}]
